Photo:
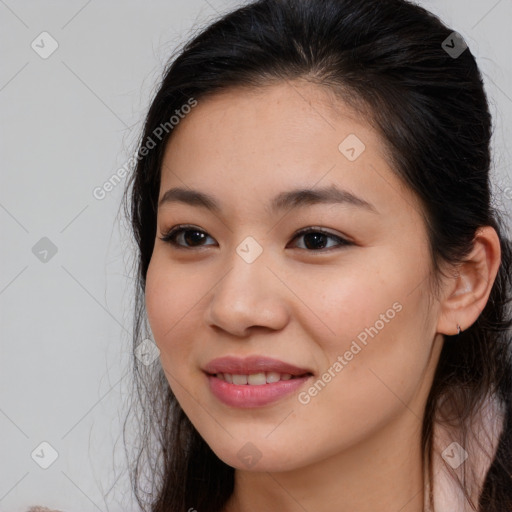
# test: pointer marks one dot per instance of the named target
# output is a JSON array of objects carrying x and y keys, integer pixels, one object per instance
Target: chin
[{"x": 247, "y": 455}]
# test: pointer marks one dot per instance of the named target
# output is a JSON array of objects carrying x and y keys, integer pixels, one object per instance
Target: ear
[{"x": 466, "y": 294}]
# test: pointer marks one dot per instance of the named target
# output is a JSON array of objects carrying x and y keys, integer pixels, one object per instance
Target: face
[{"x": 347, "y": 303}]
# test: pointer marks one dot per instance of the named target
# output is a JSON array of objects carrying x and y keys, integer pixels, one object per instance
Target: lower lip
[{"x": 247, "y": 395}]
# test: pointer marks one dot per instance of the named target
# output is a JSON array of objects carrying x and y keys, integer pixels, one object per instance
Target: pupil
[
  {"x": 191, "y": 239},
  {"x": 315, "y": 237}
]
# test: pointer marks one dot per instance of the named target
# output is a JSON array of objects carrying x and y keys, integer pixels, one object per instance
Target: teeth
[
  {"x": 254, "y": 379},
  {"x": 273, "y": 377},
  {"x": 239, "y": 379}
]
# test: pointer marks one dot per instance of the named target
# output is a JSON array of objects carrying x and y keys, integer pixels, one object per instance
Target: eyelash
[{"x": 170, "y": 237}]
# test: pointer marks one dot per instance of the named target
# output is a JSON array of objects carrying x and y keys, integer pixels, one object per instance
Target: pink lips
[
  {"x": 251, "y": 364},
  {"x": 247, "y": 395}
]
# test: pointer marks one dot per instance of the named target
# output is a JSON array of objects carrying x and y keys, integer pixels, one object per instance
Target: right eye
[{"x": 191, "y": 235}]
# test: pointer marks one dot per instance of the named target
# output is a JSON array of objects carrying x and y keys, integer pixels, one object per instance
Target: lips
[{"x": 252, "y": 365}]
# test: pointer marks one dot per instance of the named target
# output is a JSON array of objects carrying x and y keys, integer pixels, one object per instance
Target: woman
[{"x": 322, "y": 270}]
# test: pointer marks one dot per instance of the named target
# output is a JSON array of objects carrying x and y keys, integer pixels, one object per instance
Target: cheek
[
  {"x": 378, "y": 357},
  {"x": 169, "y": 305},
  {"x": 156, "y": 298},
  {"x": 338, "y": 309},
  {"x": 368, "y": 327}
]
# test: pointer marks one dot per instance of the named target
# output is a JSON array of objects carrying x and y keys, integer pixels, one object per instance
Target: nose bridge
[
  {"x": 247, "y": 269},
  {"x": 247, "y": 295}
]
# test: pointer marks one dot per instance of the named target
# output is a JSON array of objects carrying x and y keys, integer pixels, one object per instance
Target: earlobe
[{"x": 467, "y": 293}]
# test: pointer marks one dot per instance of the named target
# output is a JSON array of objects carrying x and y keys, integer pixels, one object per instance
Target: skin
[{"x": 356, "y": 445}]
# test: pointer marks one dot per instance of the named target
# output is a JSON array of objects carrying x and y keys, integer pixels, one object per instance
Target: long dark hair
[{"x": 412, "y": 79}]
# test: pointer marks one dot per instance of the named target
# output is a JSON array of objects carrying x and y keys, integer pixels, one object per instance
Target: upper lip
[{"x": 251, "y": 364}]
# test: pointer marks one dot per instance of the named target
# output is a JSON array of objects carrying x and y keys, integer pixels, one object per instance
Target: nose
[{"x": 249, "y": 296}]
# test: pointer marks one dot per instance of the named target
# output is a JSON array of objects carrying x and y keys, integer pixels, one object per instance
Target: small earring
[{"x": 458, "y": 329}]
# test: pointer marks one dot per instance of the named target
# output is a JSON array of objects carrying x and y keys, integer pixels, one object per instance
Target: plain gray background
[{"x": 68, "y": 122}]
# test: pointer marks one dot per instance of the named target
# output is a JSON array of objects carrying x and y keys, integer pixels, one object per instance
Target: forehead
[{"x": 245, "y": 142}]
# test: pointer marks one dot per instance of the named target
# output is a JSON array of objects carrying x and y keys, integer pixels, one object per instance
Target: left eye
[{"x": 315, "y": 239}]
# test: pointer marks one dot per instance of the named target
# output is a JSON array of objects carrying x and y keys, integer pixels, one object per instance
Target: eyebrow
[{"x": 292, "y": 199}]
